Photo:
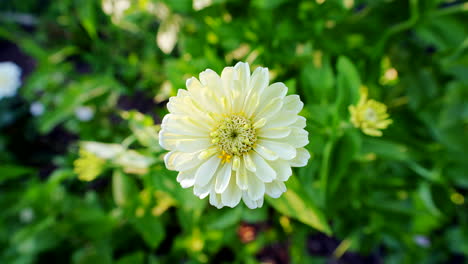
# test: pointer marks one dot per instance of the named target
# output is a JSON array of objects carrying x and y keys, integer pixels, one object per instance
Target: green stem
[
  {"x": 405, "y": 25},
  {"x": 324, "y": 170}
]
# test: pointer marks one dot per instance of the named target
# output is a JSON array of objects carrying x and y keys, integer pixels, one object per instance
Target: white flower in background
[
  {"x": 422, "y": 241},
  {"x": 200, "y": 4},
  {"x": 102, "y": 150},
  {"x": 234, "y": 137},
  {"x": 84, "y": 113},
  {"x": 36, "y": 109},
  {"x": 26, "y": 215},
  {"x": 10, "y": 79}
]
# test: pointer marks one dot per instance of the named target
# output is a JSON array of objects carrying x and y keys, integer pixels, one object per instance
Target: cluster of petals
[{"x": 234, "y": 137}]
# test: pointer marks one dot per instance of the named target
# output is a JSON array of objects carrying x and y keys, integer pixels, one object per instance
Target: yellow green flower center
[
  {"x": 234, "y": 136},
  {"x": 370, "y": 114}
]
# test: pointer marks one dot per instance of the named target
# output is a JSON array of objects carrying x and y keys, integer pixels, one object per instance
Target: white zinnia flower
[
  {"x": 233, "y": 136},
  {"x": 10, "y": 79}
]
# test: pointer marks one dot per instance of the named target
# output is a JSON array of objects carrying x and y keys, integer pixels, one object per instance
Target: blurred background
[{"x": 81, "y": 172}]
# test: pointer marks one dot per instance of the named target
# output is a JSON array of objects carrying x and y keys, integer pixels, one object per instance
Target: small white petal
[
  {"x": 264, "y": 171},
  {"x": 186, "y": 178},
  {"x": 259, "y": 80},
  {"x": 256, "y": 188},
  {"x": 206, "y": 171},
  {"x": 232, "y": 195},
  {"x": 249, "y": 164},
  {"x": 222, "y": 178},
  {"x": 301, "y": 158},
  {"x": 293, "y": 103},
  {"x": 282, "y": 168},
  {"x": 265, "y": 153},
  {"x": 279, "y": 132},
  {"x": 202, "y": 191},
  {"x": 241, "y": 177},
  {"x": 300, "y": 122},
  {"x": 283, "y": 150},
  {"x": 275, "y": 90},
  {"x": 275, "y": 188},
  {"x": 298, "y": 138},
  {"x": 215, "y": 200}
]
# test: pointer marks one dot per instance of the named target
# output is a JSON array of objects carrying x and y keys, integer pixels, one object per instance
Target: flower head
[
  {"x": 234, "y": 136},
  {"x": 369, "y": 115},
  {"x": 10, "y": 79},
  {"x": 88, "y": 166}
]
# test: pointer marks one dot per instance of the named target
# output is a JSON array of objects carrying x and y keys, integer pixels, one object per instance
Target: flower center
[
  {"x": 234, "y": 136},
  {"x": 370, "y": 114}
]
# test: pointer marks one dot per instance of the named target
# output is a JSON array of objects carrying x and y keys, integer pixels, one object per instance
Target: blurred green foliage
[{"x": 399, "y": 198}]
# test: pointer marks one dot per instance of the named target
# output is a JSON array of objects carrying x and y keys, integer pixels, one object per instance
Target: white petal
[
  {"x": 282, "y": 168},
  {"x": 293, "y": 103},
  {"x": 259, "y": 80},
  {"x": 275, "y": 90},
  {"x": 186, "y": 178},
  {"x": 215, "y": 200},
  {"x": 265, "y": 153},
  {"x": 222, "y": 178},
  {"x": 232, "y": 195},
  {"x": 281, "y": 119},
  {"x": 298, "y": 138},
  {"x": 181, "y": 161},
  {"x": 256, "y": 188},
  {"x": 248, "y": 163},
  {"x": 279, "y": 132},
  {"x": 268, "y": 109},
  {"x": 243, "y": 70},
  {"x": 301, "y": 158},
  {"x": 193, "y": 85},
  {"x": 283, "y": 150},
  {"x": 275, "y": 188},
  {"x": 202, "y": 191},
  {"x": 252, "y": 204},
  {"x": 241, "y": 177},
  {"x": 300, "y": 122},
  {"x": 206, "y": 171},
  {"x": 264, "y": 171}
]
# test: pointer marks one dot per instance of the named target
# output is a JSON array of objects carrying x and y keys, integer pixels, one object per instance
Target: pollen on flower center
[
  {"x": 234, "y": 136},
  {"x": 370, "y": 114}
]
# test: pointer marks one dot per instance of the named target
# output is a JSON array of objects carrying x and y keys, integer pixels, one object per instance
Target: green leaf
[
  {"x": 296, "y": 204},
  {"x": 385, "y": 149},
  {"x": 11, "y": 171},
  {"x": 75, "y": 95},
  {"x": 223, "y": 218},
  {"x": 150, "y": 228},
  {"x": 348, "y": 83},
  {"x": 318, "y": 82},
  {"x": 133, "y": 258},
  {"x": 345, "y": 151},
  {"x": 124, "y": 189}
]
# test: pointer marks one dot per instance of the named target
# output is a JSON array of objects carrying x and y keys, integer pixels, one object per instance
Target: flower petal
[
  {"x": 215, "y": 200},
  {"x": 265, "y": 153},
  {"x": 206, "y": 171},
  {"x": 293, "y": 103},
  {"x": 186, "y": 178},
  {"x": 275, "y": 188},
  {"x": 222, "y": 178},
  {"x": 232, "y": 195},
  {"x": 283, "y": 150},
  {"x": 264, "y": 171},
  {"x": 279, "y": 132},
  {"x": 282, "y": 168},
  {"x": 241, "y": 177},
  {"x": 256, "y": 188},
  {"x": 301, "y": 158}
]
